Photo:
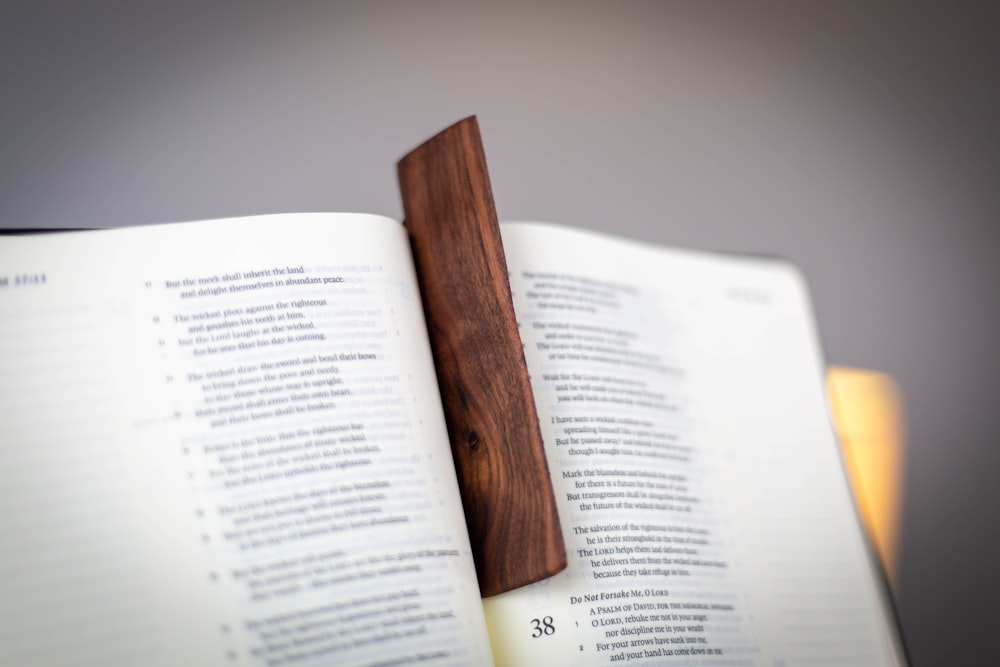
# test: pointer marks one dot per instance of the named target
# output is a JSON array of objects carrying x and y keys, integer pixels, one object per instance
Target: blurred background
[{"x": 859, "y": 140}]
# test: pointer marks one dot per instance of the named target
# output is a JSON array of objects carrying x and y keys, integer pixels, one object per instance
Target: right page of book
[{"x": 703, "y": 501}]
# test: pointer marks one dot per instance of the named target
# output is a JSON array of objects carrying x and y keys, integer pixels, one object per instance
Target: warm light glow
[{"x": 868, "y": 414}]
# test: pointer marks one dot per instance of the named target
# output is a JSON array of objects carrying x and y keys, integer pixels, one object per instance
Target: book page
[
  {"x": 704, "y": 506},
  {"x": 222, "y": 443}
]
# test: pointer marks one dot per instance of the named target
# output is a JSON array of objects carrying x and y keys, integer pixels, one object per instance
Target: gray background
[{"x": 860, "y": 141}]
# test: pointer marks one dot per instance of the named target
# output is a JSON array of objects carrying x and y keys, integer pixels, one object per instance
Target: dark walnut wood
[{"x": 488, "y": 404}]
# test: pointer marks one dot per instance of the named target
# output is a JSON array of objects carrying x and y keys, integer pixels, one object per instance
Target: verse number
[{"x": 543, "y": 626}]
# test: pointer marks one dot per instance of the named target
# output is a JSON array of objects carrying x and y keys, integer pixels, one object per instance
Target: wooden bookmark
[{"x": 492, "y": 423}]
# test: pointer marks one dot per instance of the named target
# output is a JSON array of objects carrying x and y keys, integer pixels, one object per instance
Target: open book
[{"x": 222, "y": 443}]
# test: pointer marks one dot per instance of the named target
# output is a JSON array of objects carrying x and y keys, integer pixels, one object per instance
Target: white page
[
  {"x": 703, "y": 503},
  {"x": 222, "y": 443}
]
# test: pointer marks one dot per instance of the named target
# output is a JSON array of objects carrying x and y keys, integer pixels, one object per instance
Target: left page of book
[{"x": 222, "y": 443}]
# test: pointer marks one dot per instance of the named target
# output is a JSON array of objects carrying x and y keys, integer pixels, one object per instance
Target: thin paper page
[
  {"x": 222, "y": 444},
  {"x": 701, "y": 495}
]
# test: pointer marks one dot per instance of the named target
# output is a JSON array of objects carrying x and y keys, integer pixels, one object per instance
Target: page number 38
[{"x": 541, "y": 627}]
